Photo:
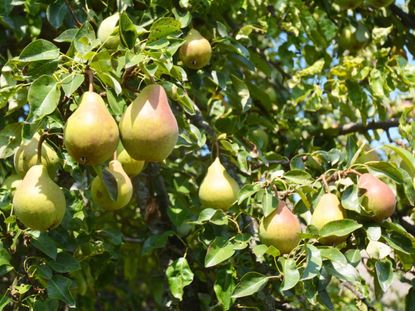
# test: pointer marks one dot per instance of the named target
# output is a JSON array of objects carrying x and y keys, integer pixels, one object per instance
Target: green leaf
[
  {"x": 339, "y": 228},
  {"x": 250, "y": 283},
  {"x": 388, "y": 169},
  {"x": 225, "y": 285},
  {"x": 67, "y": 36},
  {"x": 10, "y": 138},
  {"x": 56, "y": 13},
  {"x": 179, "y": 275},
  {"x": 407, "y": 158},
  {"x": 344, "y": 271},
  {"x": 242, "y": 91},
  {"x": 59, "y": 288},
  {"x": 156, "y": 241},
  {"x": 353, "y": 257},
  {"x": 350, "y": 199},
  {"x": 39, "y": 50},
  {"x": 4, "y": 301},
  {"x": 110, "y": 184},
  {"x": 247, "y": 191},
  {"x": 298, "y": 176},
  {"x": 128, "y": 31},
  {"x": 269, "y": 203},
  {"x": 291, "y": 273},
  {"x": 44, "y": 243},
  {"x": 218, "y": 251},
  {"x": 384, "y": 274},
  {"x": 314, "y": 262},
  {"x": 332, "y": 254},
  {"x": 85, "y": 39},
  {"x": 71, "y": 82},
  {"x": 64, "y": 263},
  {"x": 162, "y": 28},
  {"x": 43, "y": 97}
]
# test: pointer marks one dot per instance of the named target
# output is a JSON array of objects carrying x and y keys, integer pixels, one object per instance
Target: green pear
[
  {"x": 11, "y": 182},
  {"x": 280, "y": 229},
  {"x": 218, "y": 189},
  {"x": 100, "y": 193},
  {"x": 196, "y": 51},
  {"x": 328, "y": 209},
  {"x": 108, "y": 31},
  {"x": 131, "y": 166},
  {"x": 26, "y": 156},
  {"x": 353, "y": 38},
  {"x": 379, "y": 3},
  {"x": 148, "y": 127},
  {"x": 38, "y": 202},
  {"x": 91, "y": 133},
  {"x": 260, "y": 137},
  {"x": 381, "y": 200},
  {"x": 348, "y": 4}
]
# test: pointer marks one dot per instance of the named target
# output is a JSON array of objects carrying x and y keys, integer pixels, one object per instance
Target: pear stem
[
  {"x": 325, "y": 184},
  {"x": 114, "y": 156},
  {"x": 217, "y": 149},
  {"x": 90, "y": 79},
  {"x": 39, "y": 147}
]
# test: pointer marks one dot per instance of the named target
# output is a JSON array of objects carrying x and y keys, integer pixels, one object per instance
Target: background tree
[{"x": 292, "y": 99}]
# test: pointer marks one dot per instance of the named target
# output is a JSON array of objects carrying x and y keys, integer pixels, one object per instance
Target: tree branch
[
  {"x": 363, "y": 128},
  {"x": 407, "y": 19},
  {"x": 362, "y": 298}
]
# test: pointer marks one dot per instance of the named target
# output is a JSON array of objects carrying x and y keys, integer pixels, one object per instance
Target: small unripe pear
[
  {"x": 131, "y": 166},
  {"x": 38, "y": 202},
  {"x": 100, "y": 193},
  {"x": 91, "y": 133},
  {"x": 280, "y": 229},
  {"x": 328, "y": 209},
  {"x": 26, "y": 157},
  {"x": 218, "y": 189},
  {"x": 260, "y": 137},
  {"x": 381, "y": 200},
  {"x": 353, "y": 38},
  {"x": 108, "y": 31},
  {"x": 196, "y": 51},
  {"x": 148, "y": 127},
  {"x": 11, "y": 182}
]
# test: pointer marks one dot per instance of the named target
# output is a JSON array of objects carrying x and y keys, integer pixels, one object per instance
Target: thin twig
[{"x": 358, "y": 295}]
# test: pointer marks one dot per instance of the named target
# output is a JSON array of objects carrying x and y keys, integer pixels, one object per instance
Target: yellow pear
[
  {"x": 11, "y": 182},
  {"x": 38, "y": 202},
  {"x": 91, "y": 133},
  {"x": 108, "y": 31},
  {"x": 328, "y": 209},
  {"x": 148, "y": 127},
  {"x": 381, "y": 200},
  {"x": 196, "y": 51},
  {"x": 100, "y": 194},
  {"x": 26, "y": 156},
  {"x": 131, "y": 166},
  {"x": 280, "y": 229},
  {"x": 218, "y": 189}
]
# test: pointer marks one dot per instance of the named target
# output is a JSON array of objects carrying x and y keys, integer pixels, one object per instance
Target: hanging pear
[
  {"x": 108, "y": 31},
  {"x": 91, "y": 133},
  {"x": 100, "y": 193},
  {"x": 381, "y": 200},
  {"x": 26, "y": 156},
  {"x": 131, "y": 166},
  {"x": 280, "y": 229},
  {"x": 148, "y": 127},
  {"x": 218, "y": 189},
  {"x": 38, "y": 202},
  {"x": 328, "y": 209},
  {"x": 196, "y": 51}
]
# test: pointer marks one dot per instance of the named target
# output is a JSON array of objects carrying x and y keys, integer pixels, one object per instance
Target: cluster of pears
[
  {"x": 38, "y": 202},
  {"x": 353, "y": 4}
]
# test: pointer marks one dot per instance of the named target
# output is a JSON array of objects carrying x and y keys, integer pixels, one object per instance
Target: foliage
[{"x": 275, "y": 65}]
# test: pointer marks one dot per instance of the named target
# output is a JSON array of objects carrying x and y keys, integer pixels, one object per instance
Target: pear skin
[
  {"x": 328, "y": 209},
  {"x": 196, "y": 51},
  {"x": 26, "y": 157},
  {"x": 148, "y": 127},
  {"x": 218, "y": 189},
  {"x": 100, "y": 194},
  {"x": 131, "y": 166},
  {"x": 281, "y": 229},
  {"x": 381, "y": 200},
  {"x": 106, "y": 31},
  {"x": 91, "y": 134},
  {"x": 38, "y": 202}
]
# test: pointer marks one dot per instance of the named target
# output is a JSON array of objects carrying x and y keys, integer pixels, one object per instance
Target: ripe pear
[
  {"x": 379, "y": 3},
  {"x": 11, "y": 182},
  {"x": 328, "y": 209},
  {"x": 353, "y": 37},
  {"x": 131, "y": 166},
  {"x": 38, "y": 202},
  {"x": 349, "y": 4},
  {"x": 281, "y": 229},
  {"x": 26, "y": 156},
  {"x": 196, "y": 51},
  {"x": 108, "y": 31},
  {"x": 148, "y": 127},
  {"x": 381, "y": 200},
  {"x": 100, "y": 194},
  {"x": 218, "y": 189},
  {"x": 91, "y": 133}
]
